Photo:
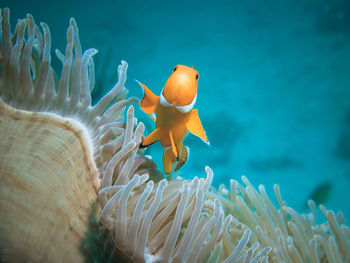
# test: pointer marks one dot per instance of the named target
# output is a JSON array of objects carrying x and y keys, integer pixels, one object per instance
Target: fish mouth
[
  {"x": 187, "y": 108},
  {"x": 180, "y": 108}
]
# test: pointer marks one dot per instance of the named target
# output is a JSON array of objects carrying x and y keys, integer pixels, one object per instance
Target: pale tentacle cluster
[
  {"x": 293, "y": 237},
  {"x": 29, "y": 83},
  {"x": 173, "y": 221},
  {"x": 166, "y": 221}
]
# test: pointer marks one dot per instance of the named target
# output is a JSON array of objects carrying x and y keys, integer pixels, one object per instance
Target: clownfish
[{"x": 175, "y": 116}]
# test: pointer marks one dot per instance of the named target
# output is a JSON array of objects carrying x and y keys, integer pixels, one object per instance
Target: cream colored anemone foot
[{"x": 53, "y": 143}]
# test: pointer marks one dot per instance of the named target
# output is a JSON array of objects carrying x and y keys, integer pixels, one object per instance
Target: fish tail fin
[{"x": 185, "y": 153}]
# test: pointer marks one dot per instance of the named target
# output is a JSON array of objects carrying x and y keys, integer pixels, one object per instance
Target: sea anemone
[{"x": 59, "y": 154}]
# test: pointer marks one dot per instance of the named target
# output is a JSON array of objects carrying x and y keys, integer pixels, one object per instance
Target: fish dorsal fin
[
  {"x": 149, "y": 101},
  {"x": 195, "y": 127}
]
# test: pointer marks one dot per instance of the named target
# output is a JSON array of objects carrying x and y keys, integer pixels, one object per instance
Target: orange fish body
[{"x": 175, "y": 115}]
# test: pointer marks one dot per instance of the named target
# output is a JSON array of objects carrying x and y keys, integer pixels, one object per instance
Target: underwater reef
[{"x": 69, "y": 167}]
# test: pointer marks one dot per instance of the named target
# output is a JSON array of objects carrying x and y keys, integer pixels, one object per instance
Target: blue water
[{"x": 274, "y": 88}]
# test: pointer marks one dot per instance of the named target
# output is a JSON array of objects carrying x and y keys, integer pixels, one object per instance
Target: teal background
[{"x": 274, "y": 88}]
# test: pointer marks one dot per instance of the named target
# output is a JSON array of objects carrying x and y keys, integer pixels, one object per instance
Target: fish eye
[
  {"x": 197, "y": 76},
  {"x": 174, "y": 69}
]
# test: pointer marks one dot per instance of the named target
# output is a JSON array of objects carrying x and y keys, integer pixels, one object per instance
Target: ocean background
[{"x": 274, "y": 88}]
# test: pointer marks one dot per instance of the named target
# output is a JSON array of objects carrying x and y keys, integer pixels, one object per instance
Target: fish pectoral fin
[
  {"x": 195, "y": 127},
  {"x": 151, "y": 138},
  {"x": 173, "y": 146},
  {"x": 149, "y": 101}
]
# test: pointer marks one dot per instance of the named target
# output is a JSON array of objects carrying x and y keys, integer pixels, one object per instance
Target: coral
[{"x": 76, "y": 151}]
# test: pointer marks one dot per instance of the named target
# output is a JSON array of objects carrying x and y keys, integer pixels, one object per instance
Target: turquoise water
[{"x": 274, "y": 88}]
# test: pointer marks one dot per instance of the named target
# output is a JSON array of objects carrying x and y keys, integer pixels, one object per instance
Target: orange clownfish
[{"x": 175, "y": 115}]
